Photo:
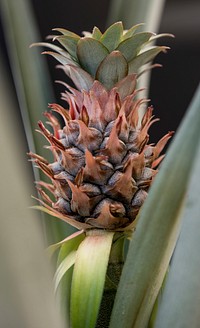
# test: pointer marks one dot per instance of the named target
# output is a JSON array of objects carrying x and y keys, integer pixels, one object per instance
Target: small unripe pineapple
[{"x": 103, "y": 165}]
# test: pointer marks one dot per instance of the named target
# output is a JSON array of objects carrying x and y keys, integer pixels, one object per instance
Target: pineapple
[{"x": 102, "y": 164}]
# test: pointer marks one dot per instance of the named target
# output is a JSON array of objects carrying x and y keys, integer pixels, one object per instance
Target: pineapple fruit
[{"x": 103, "y": 164}]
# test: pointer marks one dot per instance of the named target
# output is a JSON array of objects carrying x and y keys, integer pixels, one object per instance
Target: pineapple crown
[{"x": 107, "y": 57}]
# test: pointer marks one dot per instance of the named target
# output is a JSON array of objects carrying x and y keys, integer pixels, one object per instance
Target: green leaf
[
  {"x": 66, "y": 32},
  {"x": 73, "y": 239},
  {"x": 31, "y": 79},
  {"x": 69, "y": 43},
  {"x": 91, "y": 53},
  {"x": 131, "y": 46},
  {"x": 96, "y": 33},
  {"x": 64, "y": 266},
  {"x": 112, "y": 36},
  {"x": 129, "y": 33},
  {"x": 181, "y": 296},
  {"x": 133, "y": 12},
  {"x": 145, "y": 57},
  {"x": 25, "y": 274},
  {"x": 112, "y": 70},
  {"x": 136, "y": 11},
  {"x": 158, "y": 228},
  {"x": 81, "y": 79},
  {"x": 51, "y": 46},
  {"x": 67, "y": 246},
  {"x": 62, "y": 59},
  {"x": 89, "y": 278}
]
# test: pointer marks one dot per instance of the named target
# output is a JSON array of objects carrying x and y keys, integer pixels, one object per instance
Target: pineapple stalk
[{"x": 103, "y": 164}]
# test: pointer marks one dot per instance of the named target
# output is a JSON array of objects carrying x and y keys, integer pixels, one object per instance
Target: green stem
[{"x": 114, "y": 271}]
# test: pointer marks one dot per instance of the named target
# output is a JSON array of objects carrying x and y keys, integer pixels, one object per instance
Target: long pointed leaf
[
  {"x": 134, "y": 12},
  {"x": 26, "y": 295},
  {"x": 67, "y": 241},
  {"x": 31, "y": 81},
  {"x": 181, "y": 297},
  {"x": 89, "y": 278},
  {"x": 157, "y": 230},
  {"x": 63, "y": 277},
  {"x": 131, "y": 46},
  {"x": 64, "y": 266}
]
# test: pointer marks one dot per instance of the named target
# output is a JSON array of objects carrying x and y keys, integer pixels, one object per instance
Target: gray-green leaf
[
  {"x": 131, "y": 46},
  {"x": 112, "y": 36},
  {"x": 69, "y": 43},
  {"x": 96, "y": 33},
  {"x": 90, "y": 54},
  {"x": 81, "y": 79},
  {"x": 145, "y": 57},
  {"x": 113, "y": 69}
]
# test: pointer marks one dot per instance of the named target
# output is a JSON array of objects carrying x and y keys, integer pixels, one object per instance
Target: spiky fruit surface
[
  {"x": 103, "y": 165},
  {"x": 107, "y": 57}
]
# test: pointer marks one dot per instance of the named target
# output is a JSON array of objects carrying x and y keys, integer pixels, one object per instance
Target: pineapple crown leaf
[
  {"x": 96, "y": 33},
  {"x": 112, "y": 36},
  {"x": 112, "y": 69},
  {"x": 95, "y": 50},
  {"x": 91, "y": 53}
]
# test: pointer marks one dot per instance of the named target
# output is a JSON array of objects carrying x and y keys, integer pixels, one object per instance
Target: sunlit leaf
[
  {"x": 67, "y": 242},
  {"x": 63, "y": 267},
  {"x": 89, "y": 278}
]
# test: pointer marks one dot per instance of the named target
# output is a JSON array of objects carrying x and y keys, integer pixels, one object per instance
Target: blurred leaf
[
  {"x": 158, "y": 227},
  {"x": 28, "y": 67},
  {"x": 89, "y": 278},
  {"x": 26, "y": 295},
  {"x": 132, "y": 12},
  {"x": 179, "y": 306},
  {"x": 31, "y": 82}
]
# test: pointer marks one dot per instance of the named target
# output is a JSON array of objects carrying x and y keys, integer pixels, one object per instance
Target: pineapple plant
[{"x": 103, "y": 163}]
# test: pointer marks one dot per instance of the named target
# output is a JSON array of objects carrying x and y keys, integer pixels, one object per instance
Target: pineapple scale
[{"x": 103, "y": 165}]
